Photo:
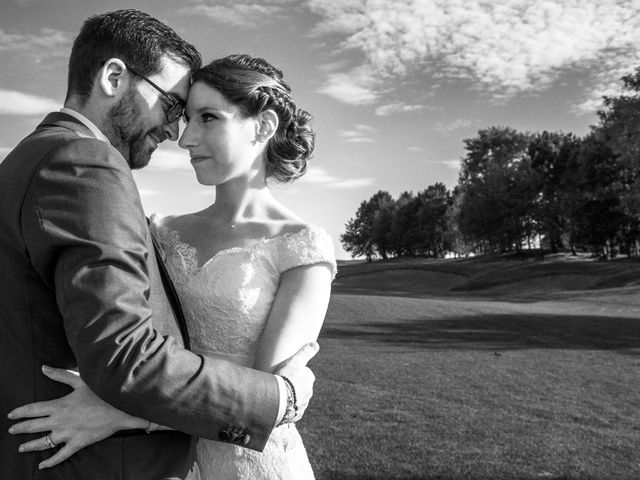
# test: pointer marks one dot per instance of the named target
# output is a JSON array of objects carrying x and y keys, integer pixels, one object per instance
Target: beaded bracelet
[
  {"x": 293, "y": 392},
  {"x": 292, "y": 402}
]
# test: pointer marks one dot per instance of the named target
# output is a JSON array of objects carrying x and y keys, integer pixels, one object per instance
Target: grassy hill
[
  {"x": 491, "y": 368},
  {"x": 506, "y": 275}
]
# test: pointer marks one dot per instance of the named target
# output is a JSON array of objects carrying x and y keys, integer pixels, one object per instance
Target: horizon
[{"x": 394, "y": 87}]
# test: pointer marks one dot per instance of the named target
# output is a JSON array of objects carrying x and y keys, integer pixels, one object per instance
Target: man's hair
[{"x": 136, "y": 38}]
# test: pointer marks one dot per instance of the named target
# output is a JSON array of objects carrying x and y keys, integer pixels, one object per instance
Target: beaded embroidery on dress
[{"x": 236, "y": 288}]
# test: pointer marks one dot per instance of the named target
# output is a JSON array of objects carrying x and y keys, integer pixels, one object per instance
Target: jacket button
[{"x": 246, "y": 439}]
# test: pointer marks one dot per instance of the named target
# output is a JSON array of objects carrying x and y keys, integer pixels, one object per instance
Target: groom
[{"x": 80, "y": 286}]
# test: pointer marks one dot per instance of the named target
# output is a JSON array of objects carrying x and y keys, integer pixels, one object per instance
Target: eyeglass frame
[{"x": 172, "y": 100}]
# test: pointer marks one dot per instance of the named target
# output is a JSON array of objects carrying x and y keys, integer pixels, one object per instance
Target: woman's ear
[
  {"x": 111, "y": 77},
  {"x": 267, "y": 125}
]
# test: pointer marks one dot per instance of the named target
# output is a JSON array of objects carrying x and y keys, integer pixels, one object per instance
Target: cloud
[
  {"x": 359, "y": 134},
  {"x": 355, "y": 87},
  {"x": 46, "y": 43},
  {"x": 332, "y": 67},
  {"x": 390, "y": 108},
  {"x": 245, "y": 14},
  {"x": 590, "y": 104},
  {"x": 353, "y": 183},
  {"x": 165, "y": 160},
  {"x": 453, "y": 126},
  {"x": 319, "y": 176},
  {"x": 25, "y": 3},
  {"x": 606, "y": 82},
  {"x": 23, "y": 104},
  {"x": 453, "y": 164},
  {"x": 500, "y": 48}
]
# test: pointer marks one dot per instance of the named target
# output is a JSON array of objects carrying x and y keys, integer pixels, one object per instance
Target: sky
[{"x": 394, "y": 86}]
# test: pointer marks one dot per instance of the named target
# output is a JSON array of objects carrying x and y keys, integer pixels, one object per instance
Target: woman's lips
[{"x": 197, "y": 159}]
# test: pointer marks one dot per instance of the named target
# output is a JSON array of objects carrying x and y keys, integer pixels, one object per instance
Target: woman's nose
[{"x": 186, "y": 139}]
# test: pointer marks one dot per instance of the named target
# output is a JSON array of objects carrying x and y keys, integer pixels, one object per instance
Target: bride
[{"x": 253, "y": 278}]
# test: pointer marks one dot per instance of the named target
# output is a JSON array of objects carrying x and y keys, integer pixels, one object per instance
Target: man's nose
[{"x": 172, "y": 130}]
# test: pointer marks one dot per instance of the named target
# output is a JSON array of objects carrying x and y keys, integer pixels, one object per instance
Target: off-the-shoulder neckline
[{"x": 164, "y": 230}]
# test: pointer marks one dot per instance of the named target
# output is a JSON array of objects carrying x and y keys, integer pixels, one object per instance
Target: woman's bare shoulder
[{"x": 283, "y": 220}]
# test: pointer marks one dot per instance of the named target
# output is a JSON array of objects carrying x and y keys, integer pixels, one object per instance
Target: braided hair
[{"x": 255, "y": 85}]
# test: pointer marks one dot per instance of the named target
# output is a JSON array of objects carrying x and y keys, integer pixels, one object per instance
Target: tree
[
  {"x": 381, "y": 225},
  {"x": 619, "y": 129},
  {"x": 596, "y": 211},
  {"x": 432, "y": 226},
  {"x": 402, "y": 222},
  {"x": 358, "y": 237},
  {"x": 454, "y": 239},
  {"x": 498, "y": 189},
  {"x": 552, "y": 158}
]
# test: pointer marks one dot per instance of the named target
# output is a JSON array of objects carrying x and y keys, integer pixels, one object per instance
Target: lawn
[{"x": 479, "y": 369}]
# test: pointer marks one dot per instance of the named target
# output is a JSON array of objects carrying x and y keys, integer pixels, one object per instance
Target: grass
[{"x": 479, "y": 369}]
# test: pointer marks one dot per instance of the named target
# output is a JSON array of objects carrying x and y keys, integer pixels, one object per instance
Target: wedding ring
[{"x": 49, "y": 442}]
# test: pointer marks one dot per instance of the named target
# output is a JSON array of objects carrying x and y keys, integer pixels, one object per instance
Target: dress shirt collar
[{"x": 87, "y": 123}]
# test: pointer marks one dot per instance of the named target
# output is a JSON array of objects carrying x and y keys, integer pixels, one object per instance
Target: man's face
[{"x": 137, "y": 123}]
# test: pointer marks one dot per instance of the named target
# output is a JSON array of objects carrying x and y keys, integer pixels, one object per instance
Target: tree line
[{"x": 521, "y": 190}]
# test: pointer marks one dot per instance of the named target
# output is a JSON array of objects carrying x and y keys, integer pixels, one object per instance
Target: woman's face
[{"x": 221, "y": 141}]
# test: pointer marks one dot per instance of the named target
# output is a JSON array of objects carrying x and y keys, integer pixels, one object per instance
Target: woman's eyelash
[{"x": 205, "y": 117}]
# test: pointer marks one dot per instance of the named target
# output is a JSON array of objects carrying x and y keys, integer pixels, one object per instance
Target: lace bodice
[
  {"x": 227, "y": 300},
  {"x": 226, "y": 303}
]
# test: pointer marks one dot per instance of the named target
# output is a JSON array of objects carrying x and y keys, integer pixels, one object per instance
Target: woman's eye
[{"x": 207, "y": 117}]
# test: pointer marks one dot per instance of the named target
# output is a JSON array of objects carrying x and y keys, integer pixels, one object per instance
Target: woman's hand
[{"x": 77, "y": 420}]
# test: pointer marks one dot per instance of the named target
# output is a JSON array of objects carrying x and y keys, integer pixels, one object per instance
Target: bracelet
[
  {"x": 293, "y": 391},
  {"x": 292, "y": 402},
  {"x": 152, "y": 427}
]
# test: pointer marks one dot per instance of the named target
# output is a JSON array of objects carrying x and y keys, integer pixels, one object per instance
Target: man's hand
[{"x": 296, "y": 370}]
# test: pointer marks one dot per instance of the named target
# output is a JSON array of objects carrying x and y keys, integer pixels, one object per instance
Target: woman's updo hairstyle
[{"x": 255, "y": 85}]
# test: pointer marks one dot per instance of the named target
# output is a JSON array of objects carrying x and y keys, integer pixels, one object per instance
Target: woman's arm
[
  {"x": 76, "y": 420},
  {"x": 296, "y": 315}
]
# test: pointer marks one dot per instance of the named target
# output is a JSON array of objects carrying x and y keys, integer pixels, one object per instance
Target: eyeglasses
[{"x": 176, "y": 106}]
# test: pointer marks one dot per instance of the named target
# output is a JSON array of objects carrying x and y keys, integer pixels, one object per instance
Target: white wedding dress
[{"x": 226, "y": 302}]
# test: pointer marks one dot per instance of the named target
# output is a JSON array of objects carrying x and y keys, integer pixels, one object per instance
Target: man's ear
[
  {"x": 267, "y": 125},
  {"x": 111, "y": 77}
]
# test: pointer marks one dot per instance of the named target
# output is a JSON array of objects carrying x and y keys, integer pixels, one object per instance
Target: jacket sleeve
[{"x": 85, "y": 232}]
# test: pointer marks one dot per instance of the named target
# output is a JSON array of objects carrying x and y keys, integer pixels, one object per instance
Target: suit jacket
[{"x": 75, "y": 291}]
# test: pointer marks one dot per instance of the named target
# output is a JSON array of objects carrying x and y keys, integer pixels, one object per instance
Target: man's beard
[{"x": 126, "y": 131}]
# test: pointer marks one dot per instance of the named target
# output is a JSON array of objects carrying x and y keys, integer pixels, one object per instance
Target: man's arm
[{"x": 83, "y": 221}]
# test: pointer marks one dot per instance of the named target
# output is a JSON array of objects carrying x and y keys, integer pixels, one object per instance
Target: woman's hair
[{"x": 255, "y": 85}]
